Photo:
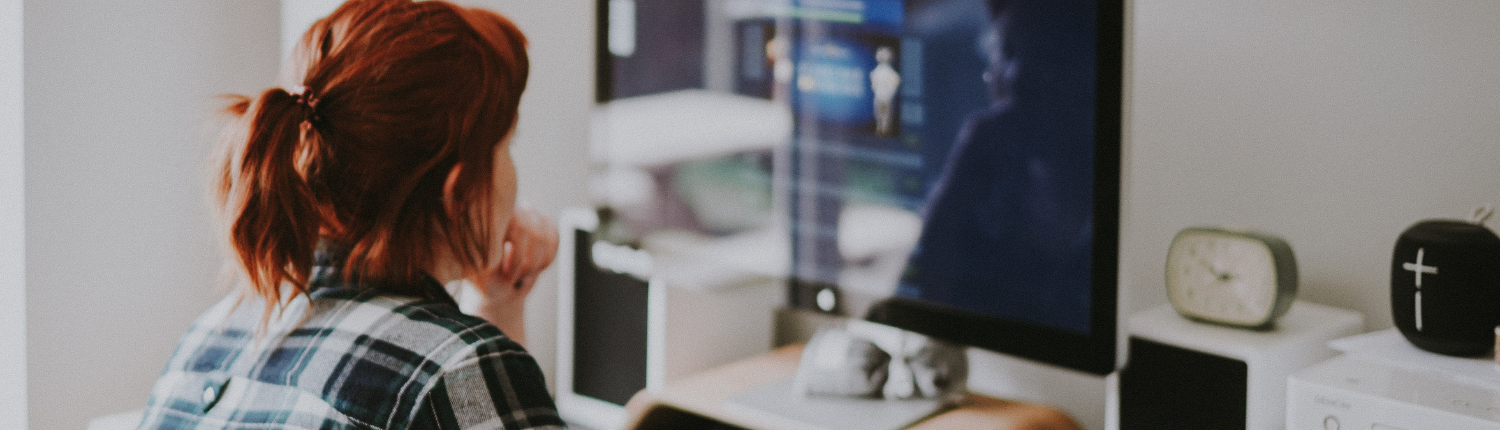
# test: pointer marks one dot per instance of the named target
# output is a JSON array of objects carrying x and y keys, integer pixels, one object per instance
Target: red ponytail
[{"x": 394, "y": 96}]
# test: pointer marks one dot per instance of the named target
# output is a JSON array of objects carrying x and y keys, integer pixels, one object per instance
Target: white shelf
[{"x": 686, "y": 125}]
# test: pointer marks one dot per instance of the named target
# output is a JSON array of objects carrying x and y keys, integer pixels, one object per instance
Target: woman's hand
[{"x": 530, "y": 244}]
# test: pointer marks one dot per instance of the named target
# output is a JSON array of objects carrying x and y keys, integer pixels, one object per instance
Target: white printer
[{"x": 1384, "y": 383}]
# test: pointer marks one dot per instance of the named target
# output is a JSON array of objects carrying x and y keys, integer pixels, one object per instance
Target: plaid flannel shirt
[{"x": 348, "y": 357}]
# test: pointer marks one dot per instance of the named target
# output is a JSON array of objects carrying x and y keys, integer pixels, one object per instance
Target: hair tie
[{"x": 309, "y": 101}]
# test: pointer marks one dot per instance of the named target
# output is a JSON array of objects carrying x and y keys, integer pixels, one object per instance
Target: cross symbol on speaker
[{"x": 1418, "y": 269}]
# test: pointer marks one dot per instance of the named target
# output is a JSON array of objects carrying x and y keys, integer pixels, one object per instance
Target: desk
[{"x": 705, "y": 394}]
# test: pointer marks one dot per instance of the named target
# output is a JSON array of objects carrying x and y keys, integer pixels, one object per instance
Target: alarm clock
[
  {"x": 1445, "y": 285},
  {"x": 1231, "y": 276}
]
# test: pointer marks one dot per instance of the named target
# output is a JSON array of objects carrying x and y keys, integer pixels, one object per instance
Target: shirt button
[{"x": 209, "y": 395}]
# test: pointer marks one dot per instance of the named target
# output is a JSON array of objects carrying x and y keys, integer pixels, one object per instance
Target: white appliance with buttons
[{"x": 1384, "y": 383}]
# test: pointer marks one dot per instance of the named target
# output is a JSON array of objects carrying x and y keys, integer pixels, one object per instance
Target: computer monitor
[
  {"x": 955, "y": 170},
  {"x": 950, "y": 167}
]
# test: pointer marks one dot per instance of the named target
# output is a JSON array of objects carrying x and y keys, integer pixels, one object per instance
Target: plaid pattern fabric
[{"x": 348, "y": 357}]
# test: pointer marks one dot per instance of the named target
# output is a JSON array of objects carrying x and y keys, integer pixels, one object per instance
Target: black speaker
[{"x": 1445, "y": 286}]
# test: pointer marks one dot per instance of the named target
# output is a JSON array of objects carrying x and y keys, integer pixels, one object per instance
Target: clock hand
[
  {"x": 1213, "y": 268},
  {"x": 1224, "y": 276}
]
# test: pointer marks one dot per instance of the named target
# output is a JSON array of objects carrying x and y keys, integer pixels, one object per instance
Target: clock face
[{"x": 1223, "y": 277}]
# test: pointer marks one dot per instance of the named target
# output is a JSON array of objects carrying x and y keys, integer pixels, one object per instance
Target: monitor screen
[
  {"x": 950, "y": 167},
  {"x": 955, "y": 169}
]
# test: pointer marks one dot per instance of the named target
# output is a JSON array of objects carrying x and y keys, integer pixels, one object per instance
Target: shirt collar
[{"x": 327, "y": 278}]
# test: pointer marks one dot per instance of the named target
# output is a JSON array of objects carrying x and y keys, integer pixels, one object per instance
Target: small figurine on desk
[
  {"x": 836, "y": 363},
  {"x": 865, "y": 359}
]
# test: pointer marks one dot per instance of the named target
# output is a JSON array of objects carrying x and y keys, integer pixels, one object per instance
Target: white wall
[
  {"x": 12, "y": 224},
  {"x": 119, "y": 253},
  {"x": 1334, "y": 123}
]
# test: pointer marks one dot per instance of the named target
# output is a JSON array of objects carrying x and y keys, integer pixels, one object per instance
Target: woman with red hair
[{"x": 378, "y": 173}]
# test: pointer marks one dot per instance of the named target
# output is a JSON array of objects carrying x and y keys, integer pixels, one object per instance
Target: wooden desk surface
[{"x": 706, "y": 394}]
